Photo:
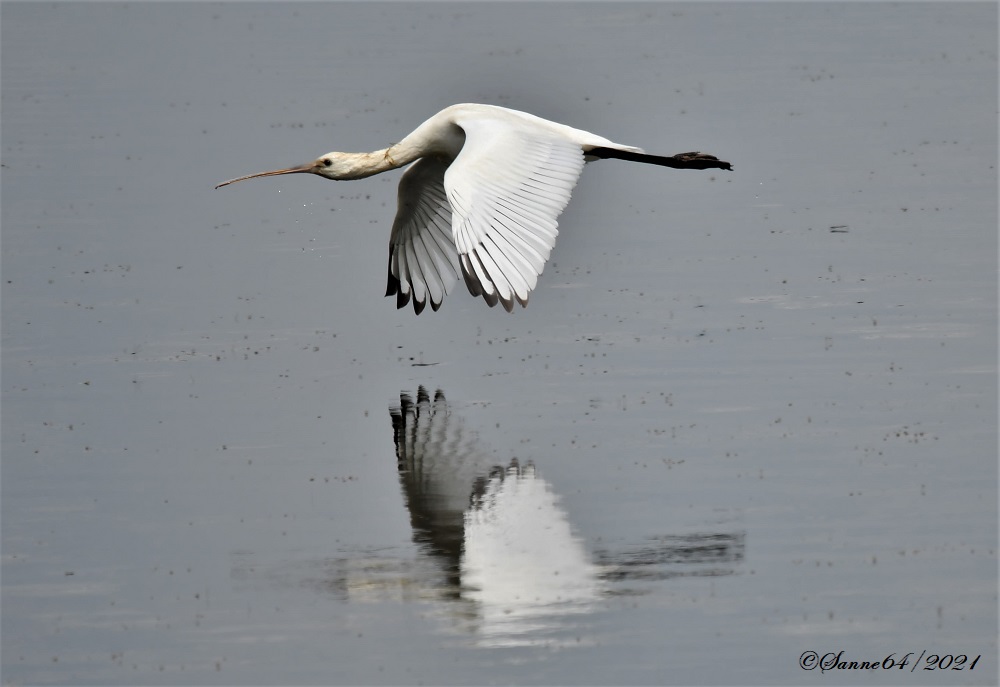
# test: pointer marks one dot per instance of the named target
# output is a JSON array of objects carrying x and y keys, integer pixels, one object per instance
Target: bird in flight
[{"x": 480, "y": 198}]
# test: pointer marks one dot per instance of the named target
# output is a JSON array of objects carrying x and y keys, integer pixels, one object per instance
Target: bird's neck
[{"x": 363, "y": 165}]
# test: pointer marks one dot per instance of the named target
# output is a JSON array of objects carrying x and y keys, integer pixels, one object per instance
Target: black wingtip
[
  {"x": 402, "y": 299},
  {"x": 391, "y": 284}
]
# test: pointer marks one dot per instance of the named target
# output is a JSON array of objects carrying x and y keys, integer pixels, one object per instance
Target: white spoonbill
[{"x": 481, "y": 198}]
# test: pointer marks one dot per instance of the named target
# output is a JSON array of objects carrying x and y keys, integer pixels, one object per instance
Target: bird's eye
[{"x": 326, "y": 162}]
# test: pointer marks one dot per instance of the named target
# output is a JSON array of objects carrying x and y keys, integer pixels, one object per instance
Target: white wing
[
  {"x": 422, "y": 257},
  {"x": 506, "y": 188}
]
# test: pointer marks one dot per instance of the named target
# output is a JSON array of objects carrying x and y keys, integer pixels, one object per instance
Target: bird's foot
[{"x": 696, "y": 160}]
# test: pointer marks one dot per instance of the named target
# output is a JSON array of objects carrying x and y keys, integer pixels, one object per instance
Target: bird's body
[{"x": 481, "y": 197}]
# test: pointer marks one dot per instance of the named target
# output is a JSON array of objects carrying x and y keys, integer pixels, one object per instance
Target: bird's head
[{"x": 332, "y": 166}]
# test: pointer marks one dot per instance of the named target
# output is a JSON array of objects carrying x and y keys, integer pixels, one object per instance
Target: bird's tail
[{"x": 693, "y": 160}]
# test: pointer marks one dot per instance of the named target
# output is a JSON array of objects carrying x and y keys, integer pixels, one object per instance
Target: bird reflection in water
[
  {"x": 497, "y": 560},
  {"x": 498, "y": 531},
  {"x": 503, "y": 542}
]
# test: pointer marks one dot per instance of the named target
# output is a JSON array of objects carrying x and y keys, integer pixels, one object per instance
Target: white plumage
[{"x": 481, "y": 198}]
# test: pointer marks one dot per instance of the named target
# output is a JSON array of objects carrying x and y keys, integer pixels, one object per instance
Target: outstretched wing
[
  {"x": 506, "y": 189},
  {"x": 423, "y": 262}
]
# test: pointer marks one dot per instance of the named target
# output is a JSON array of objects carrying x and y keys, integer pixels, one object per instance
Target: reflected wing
[
  {"x": 506, "y": 188},
  {"x": 423, "y": 261},
  {"x": 440, "y": 460}
]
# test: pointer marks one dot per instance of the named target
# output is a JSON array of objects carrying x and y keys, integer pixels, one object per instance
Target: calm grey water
[{"x": 746, "y": 415}]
